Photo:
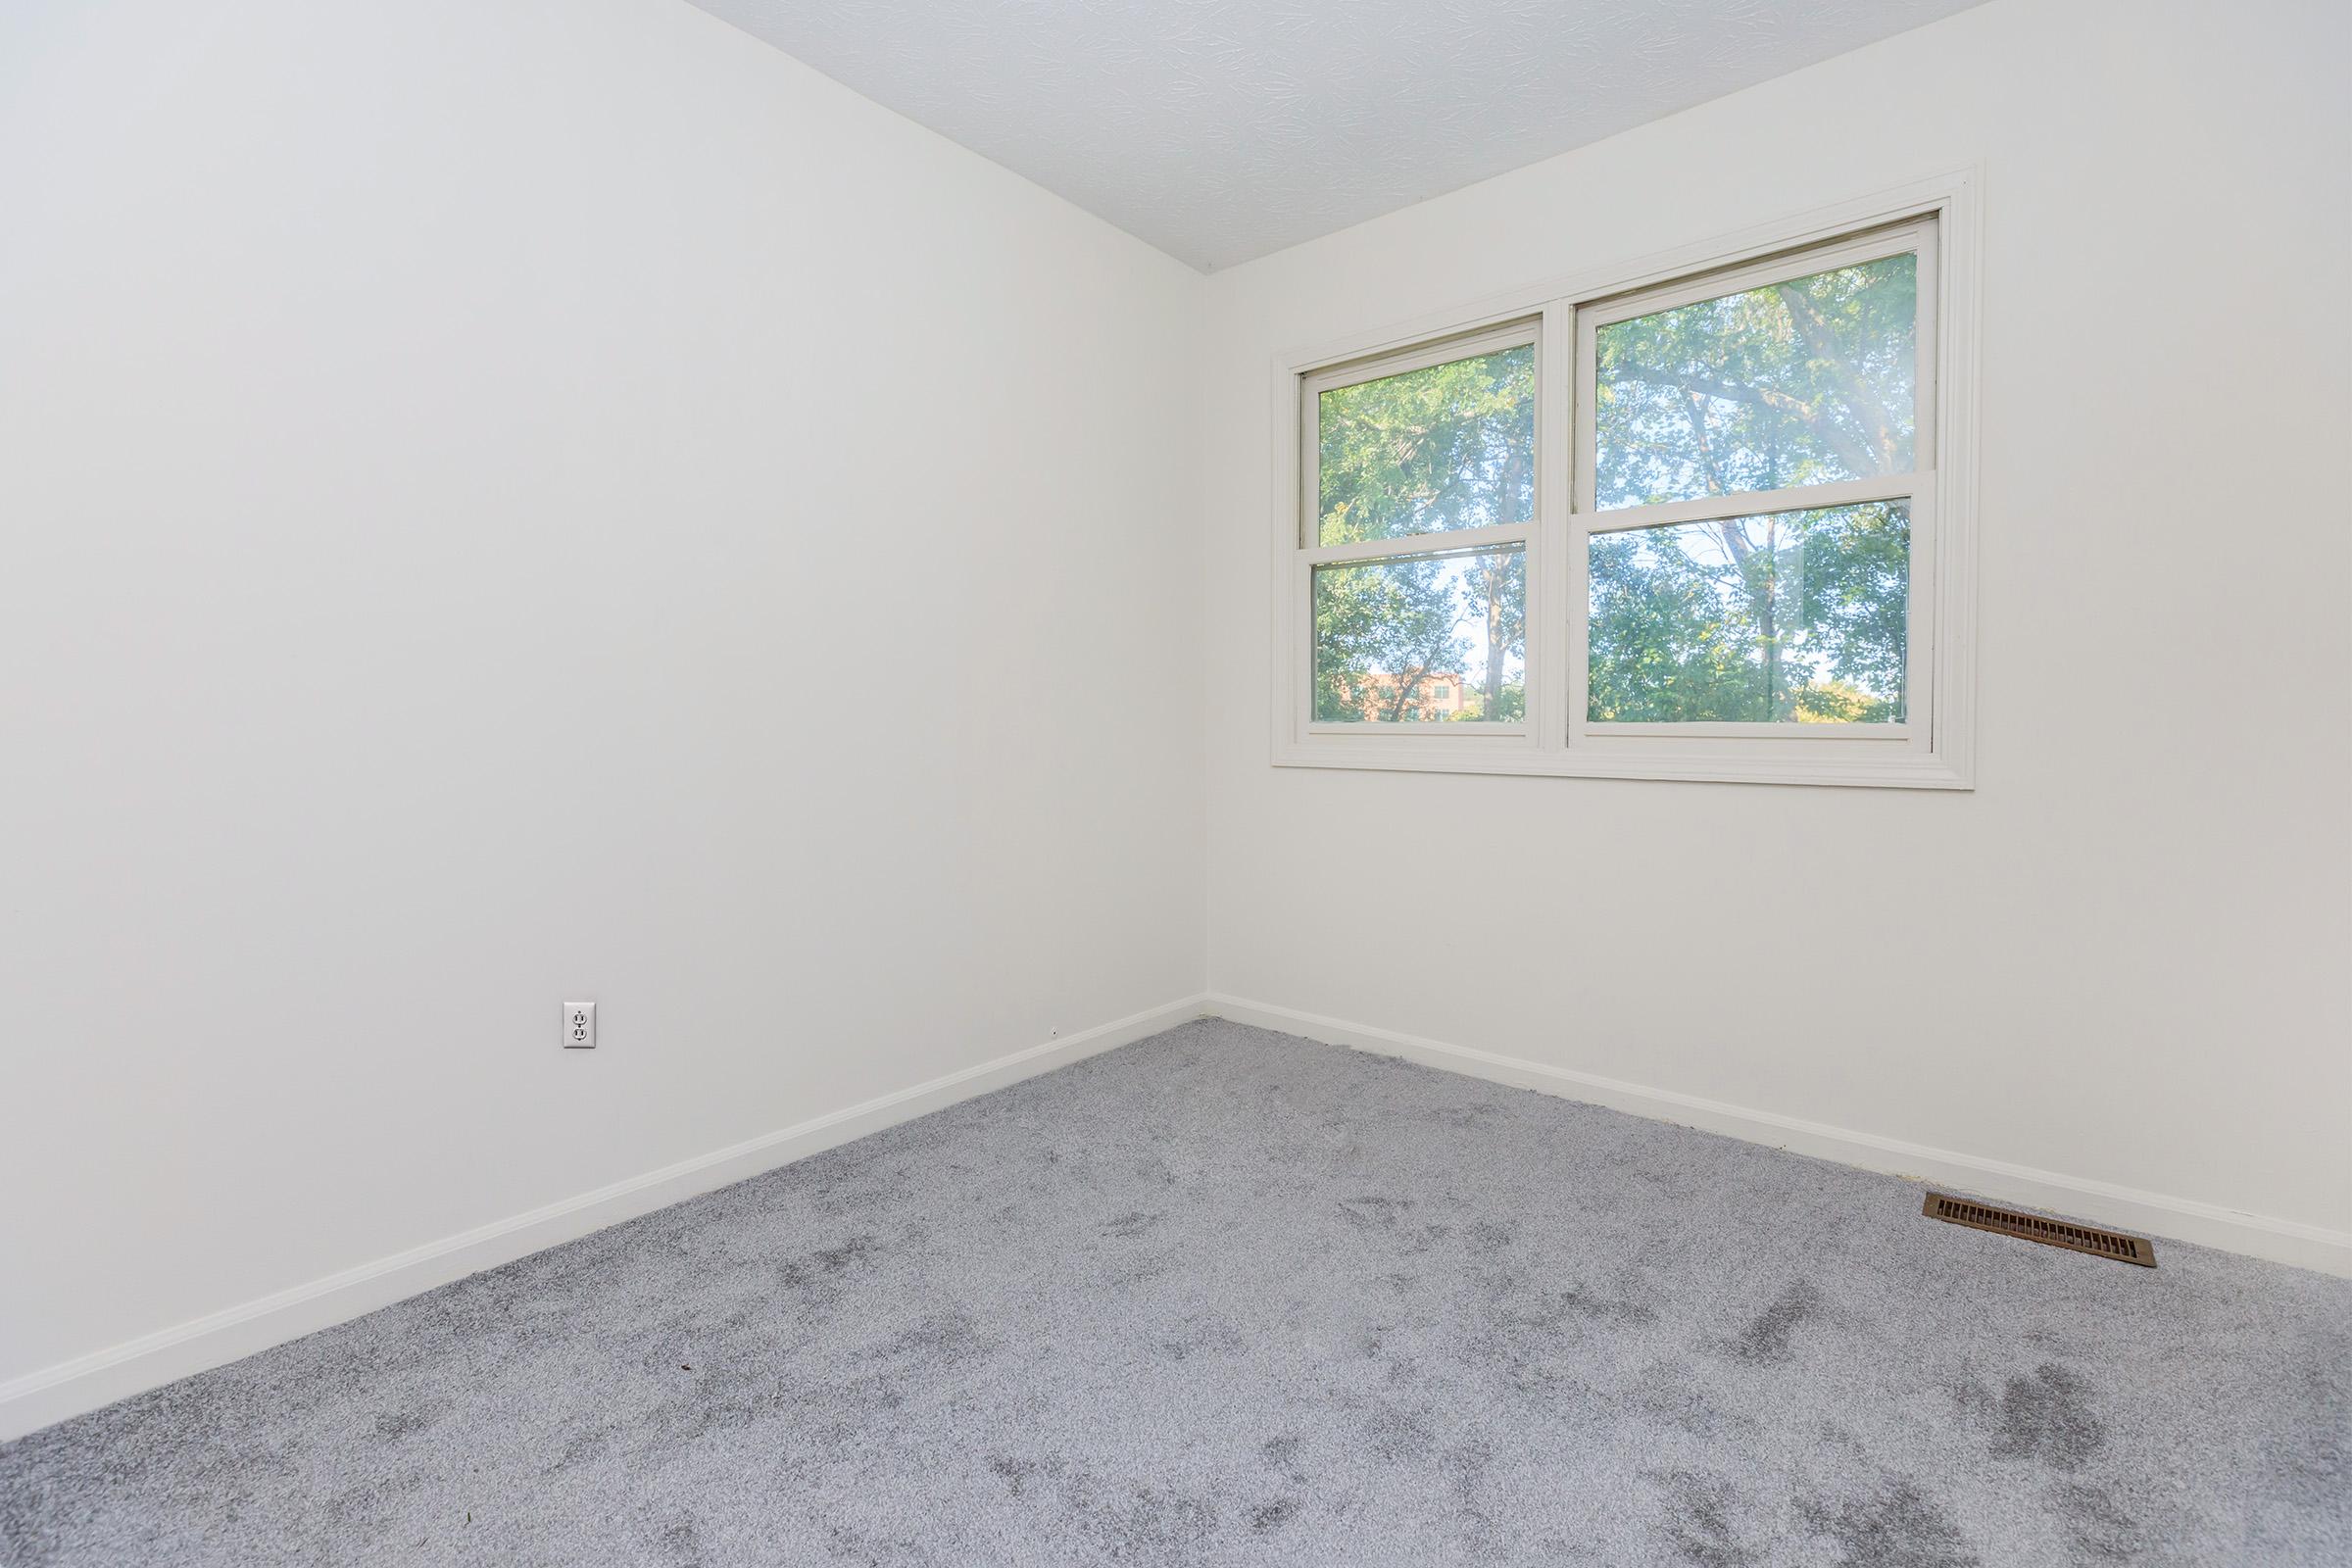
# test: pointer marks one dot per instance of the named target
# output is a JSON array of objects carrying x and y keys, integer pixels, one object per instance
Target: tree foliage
[
  {"x": 1803, "y": 621},
  {"x": 1805, "y": 382}
]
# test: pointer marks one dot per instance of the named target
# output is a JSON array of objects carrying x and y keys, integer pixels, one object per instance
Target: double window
[{"x": 1699, "y": 526}]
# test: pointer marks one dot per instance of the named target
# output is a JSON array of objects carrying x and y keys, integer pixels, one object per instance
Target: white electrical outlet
[{"x": 579, "y": 1026}]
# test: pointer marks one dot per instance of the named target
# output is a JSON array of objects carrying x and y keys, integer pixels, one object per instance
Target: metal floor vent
[{"x": 2049, "y": 1232}]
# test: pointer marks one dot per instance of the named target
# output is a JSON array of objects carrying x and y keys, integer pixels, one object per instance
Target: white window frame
[{"x": 1932, "y": 748}]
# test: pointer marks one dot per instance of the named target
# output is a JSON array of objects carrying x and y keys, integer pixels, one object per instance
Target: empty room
[{"x": 1370, "y": 783}]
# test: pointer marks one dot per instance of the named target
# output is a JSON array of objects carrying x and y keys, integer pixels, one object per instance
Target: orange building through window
[{"x": 1436, "y": 694}]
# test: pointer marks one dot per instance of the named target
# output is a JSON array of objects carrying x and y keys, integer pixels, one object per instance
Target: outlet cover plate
[{"x": 579, "y": 1026}]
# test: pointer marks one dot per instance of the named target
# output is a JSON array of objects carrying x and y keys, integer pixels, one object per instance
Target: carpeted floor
[{"x": 1226, "y": 1296}]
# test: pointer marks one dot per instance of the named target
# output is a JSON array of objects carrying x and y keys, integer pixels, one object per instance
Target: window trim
[{"x": 1933, "y": 749}]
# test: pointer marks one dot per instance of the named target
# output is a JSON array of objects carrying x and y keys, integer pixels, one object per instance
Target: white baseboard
[
  {"x": 2158, "y": 1214},
  {"x": 53, "y": 1394},
  {"x": 100, "y": 1377}
]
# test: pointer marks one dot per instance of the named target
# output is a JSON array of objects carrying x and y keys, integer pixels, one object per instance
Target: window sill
[{"x": 1689, "y": 761}]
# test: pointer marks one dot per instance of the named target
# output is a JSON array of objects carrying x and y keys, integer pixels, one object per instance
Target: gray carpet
[{"x": 1227, "y": 1296}]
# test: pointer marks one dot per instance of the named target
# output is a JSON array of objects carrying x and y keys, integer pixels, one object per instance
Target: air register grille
[{"x": 2049, "y": 1232}]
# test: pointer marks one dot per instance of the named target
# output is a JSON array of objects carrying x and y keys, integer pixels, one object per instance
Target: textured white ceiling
[{"x": 1222, "y": 129}]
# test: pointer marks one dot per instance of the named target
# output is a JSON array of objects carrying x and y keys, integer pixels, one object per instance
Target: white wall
[
  {"x": 502, "y": 501},
  {"x": 2121, "y": 958}
]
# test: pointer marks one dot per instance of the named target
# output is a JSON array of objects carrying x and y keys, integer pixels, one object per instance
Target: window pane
[
  {"x": 1452, "y": 446},
  {"x": 1798, "y": 616},
  {"x": 1803, "y": 382},
  {"x": 1388, "y": 632}
]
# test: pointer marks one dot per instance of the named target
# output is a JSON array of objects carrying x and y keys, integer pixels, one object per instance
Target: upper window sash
[
  {"x": 1916, "y": 238},
  {"x": 1487, "y": 341}
]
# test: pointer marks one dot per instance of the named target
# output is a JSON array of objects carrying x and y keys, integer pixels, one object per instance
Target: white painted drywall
[
  {"x": 503, "y": 503},
  {"x": 2121, "y": 958}
]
